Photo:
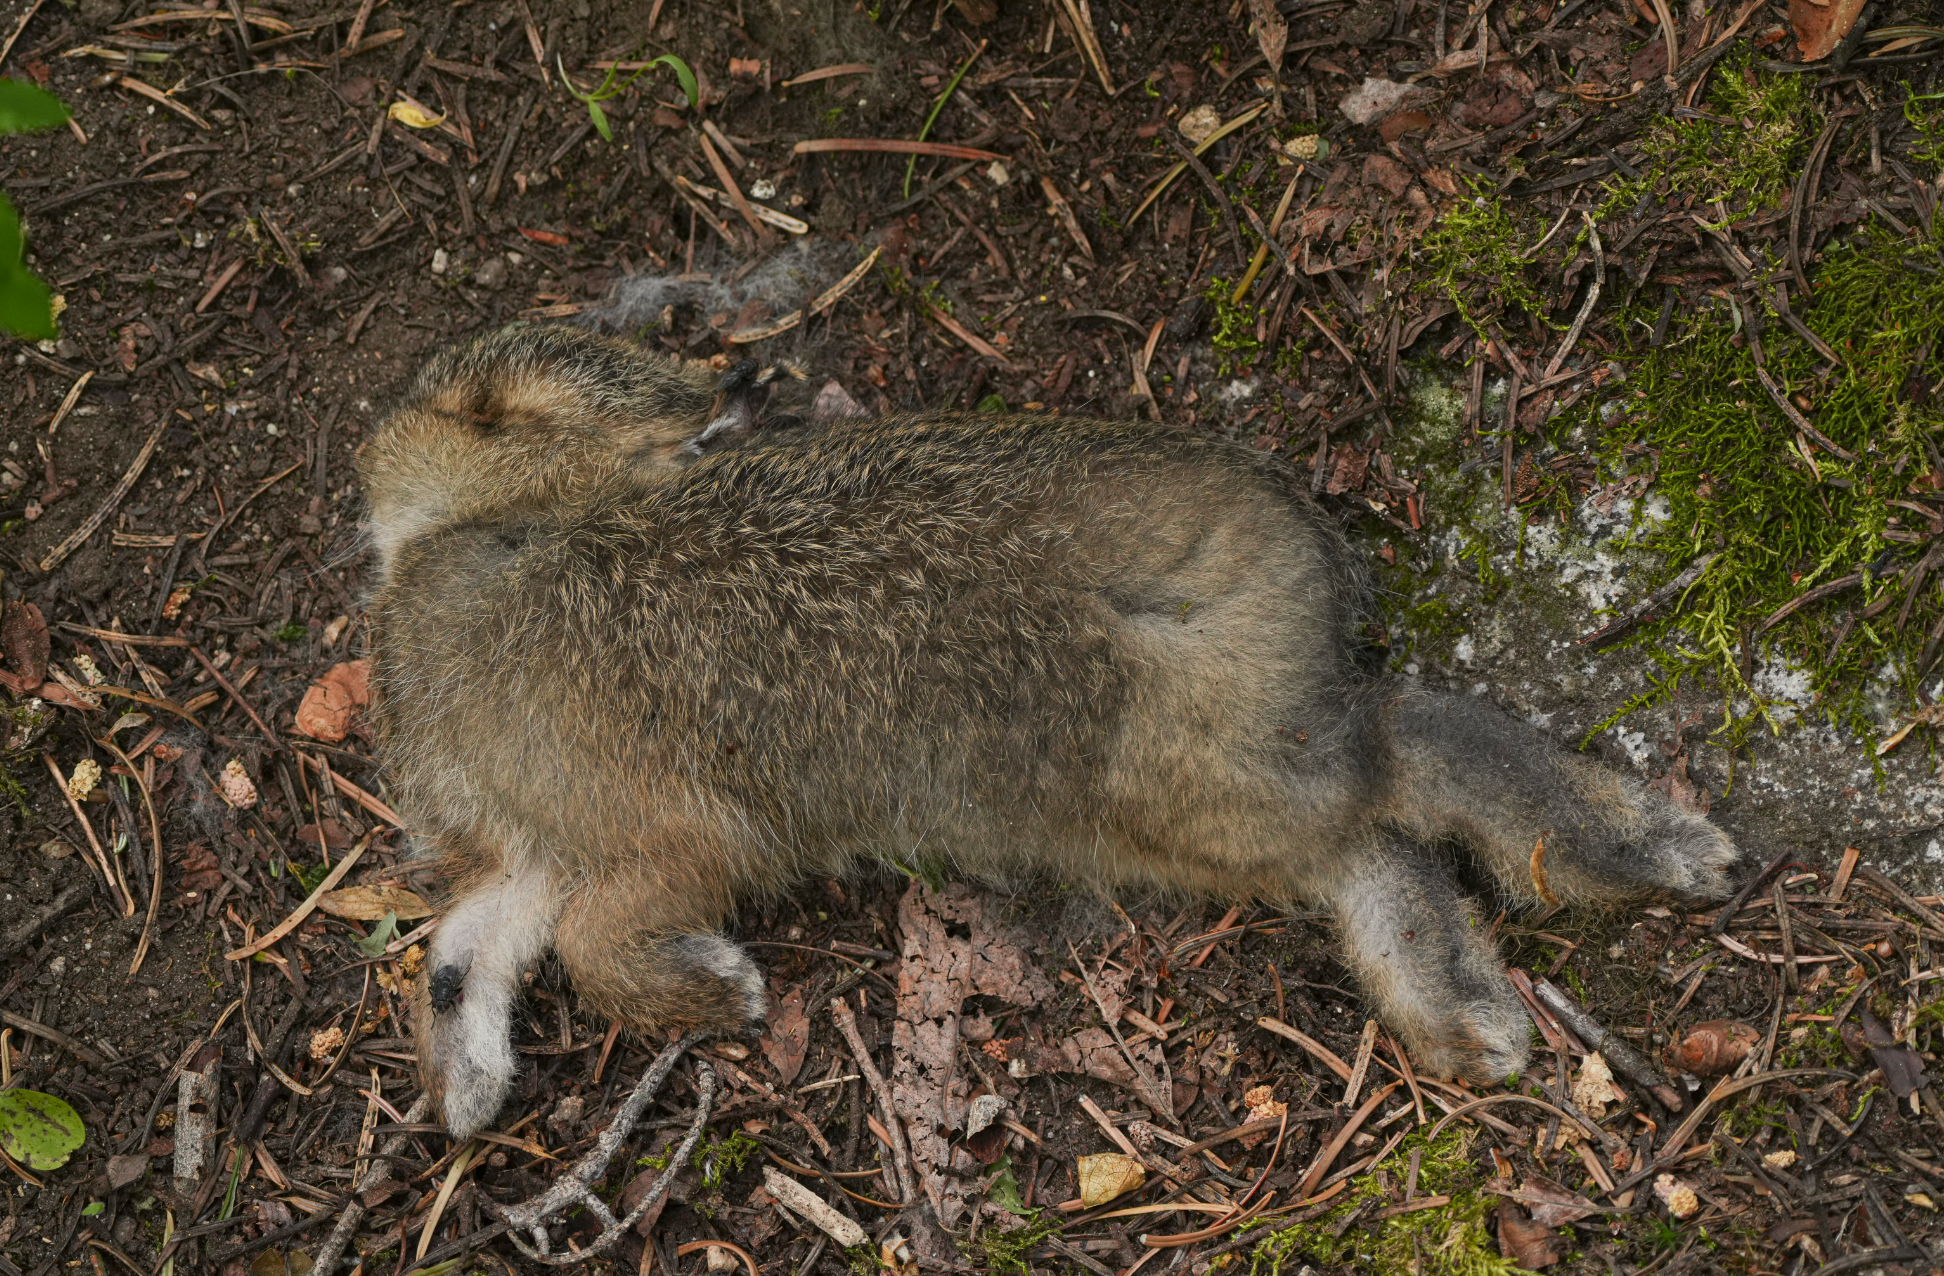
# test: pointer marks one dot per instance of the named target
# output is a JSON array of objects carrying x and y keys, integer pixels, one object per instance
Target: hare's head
[{"x": 520, "y": 419}]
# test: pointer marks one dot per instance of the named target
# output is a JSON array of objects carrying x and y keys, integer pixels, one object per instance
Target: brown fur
[{"x": 622, "y": 688}]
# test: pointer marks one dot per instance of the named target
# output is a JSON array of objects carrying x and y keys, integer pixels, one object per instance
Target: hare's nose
[{"x": 447, "y": 983}]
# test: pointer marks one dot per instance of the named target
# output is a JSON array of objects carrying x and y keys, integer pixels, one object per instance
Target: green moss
[
  {"x": 716, "y": 1159},
  {"x": 1234, "y": 334},
  {"x": 1476, "y": 256},
  {"x": 1754, "y": 158},
  {"x": 1005, "y": 1253},
  {"x": 1729, "y": 468},
  {"x": 1449, "y": 1240}
]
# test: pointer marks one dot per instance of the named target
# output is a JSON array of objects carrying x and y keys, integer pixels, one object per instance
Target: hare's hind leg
[
  {"x": 1467, "y": 772},
  {"x": 1420, "y": 953},
  {"x": 485, "y": 941},
  {"x": 634, "y": 958}
]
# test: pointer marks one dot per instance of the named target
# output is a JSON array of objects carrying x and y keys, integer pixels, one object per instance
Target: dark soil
[{"x": 250, "y": 285}]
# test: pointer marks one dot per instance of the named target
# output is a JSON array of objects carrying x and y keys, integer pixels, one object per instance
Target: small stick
[
  {"x": 1796, "y": 418},
  {"x": 1902, "y": 896},
  {"x": 1327, "y": 1157},
  {"x": 1410, "y": 1076},
  {"x": 1322, "y": 1053},
  {"x": 107, "y": 507},
  {"x": 108, "y": 873},
  {"x": 1742, "y": 896},
  {"x": 60, "y": 1039},
  {"x": 1843, "y": 870},
  {"x": 1599, "y": 275},
  {"x": 900, "y": 1154},
  {"x": 304, "y": 909},
  {"x": 1193, "y": 161},
  {"x": 276, "y": 741},
  {"x": 1114, "y": 1135},
  {"x": 892, "y": 146},
  {"x": 19, "y": 27},
  {"x": 1361, "y": 1069},
  {"x": 68, "y": 402},
  {"x": 736, "y": 197},
  {"x": 22, "y": 935},
  {"x": 1614, "y": 1050},
  {"x": 353, "y": 792},
  {"x": 155, "y": 846}
]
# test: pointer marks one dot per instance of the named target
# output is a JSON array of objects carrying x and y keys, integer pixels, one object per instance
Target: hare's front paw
[
  {"x": 1481, "y": 1043},
  {"x": 465, "y": 1050},
  {"x": 1692, "y": 858}
]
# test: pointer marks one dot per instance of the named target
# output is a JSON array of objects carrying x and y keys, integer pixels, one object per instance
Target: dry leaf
[
  {"x": 1820, "y": 28},
  {"x": 413, "y": 115},
  {"x": 1715, "y": 1047},
  {"x": 371, "y": 903},
  {"x": 788, "y": 1038},
  {"x": 1271, "y": 32},
  {"x": 985, "y": 1133},
  {"x": 953, "y": 947},
  {"x": 1903, "y": 1068},
  {"x": 23, "y": 634},
  {"x": 1107, "y": 1175},
  {"x": 1551, "y": 1204},
  {"x": 331, "y": 704},
  {"x": 1593, "y": 1088},
  {"x": 1525, "y": 1242}
]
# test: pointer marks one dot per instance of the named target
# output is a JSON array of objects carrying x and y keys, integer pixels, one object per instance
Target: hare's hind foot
[
  {"x": 464, "y": 1004},
  {"x": 1421, "y": 955},
  {"x": 1467, "y": 772}
]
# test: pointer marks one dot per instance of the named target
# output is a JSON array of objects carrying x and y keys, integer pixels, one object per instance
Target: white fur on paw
[
  {"x": 727, "y": 961},
  {"x": 1697, "y": 858},
  {"x": 474, "y": 1058}
]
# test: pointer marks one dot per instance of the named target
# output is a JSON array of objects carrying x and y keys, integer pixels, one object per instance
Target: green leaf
[
  {"x": 26, "y": 109},
  {"x": 599, "y": 117},
  {"x": 91, "y": 1209},
  {"x": 39, "y": 1130},
  {"x": 1003, "y": 1190},
  {"x": 26, "y": 304},
  {"x": 293, "y": 632},
  {"x": 382, "y": 933},
  {"x": 312, "y": 877},
  {"x": 683, "y": 76}
]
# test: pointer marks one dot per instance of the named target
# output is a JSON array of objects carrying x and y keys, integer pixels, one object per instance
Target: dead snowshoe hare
[{"x": 621, "y": 686}]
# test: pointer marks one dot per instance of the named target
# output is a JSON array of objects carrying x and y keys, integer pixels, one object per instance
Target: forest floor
[{"x": 1628, "y": 381}]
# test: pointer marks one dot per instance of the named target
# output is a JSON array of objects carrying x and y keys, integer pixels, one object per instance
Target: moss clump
[
  {"x": 1477, "y": 260},
  {"x": 1005, "y": 1252},
  {"x": 1785, "y": 514},
  {"x": 1750, "y": 159},
  {"x": 1449, "y": 1240},
  {"x": 1234, "y": 330}
]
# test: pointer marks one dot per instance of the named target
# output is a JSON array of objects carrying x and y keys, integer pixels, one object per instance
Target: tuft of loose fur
[{"x": 620, "y": 687}]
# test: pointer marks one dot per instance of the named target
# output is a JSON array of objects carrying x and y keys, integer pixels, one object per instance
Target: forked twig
[{"x": 572, "y": 1188}]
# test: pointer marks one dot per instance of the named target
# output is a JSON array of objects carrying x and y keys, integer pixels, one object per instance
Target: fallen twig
[{"x": 900, "y": 1154}]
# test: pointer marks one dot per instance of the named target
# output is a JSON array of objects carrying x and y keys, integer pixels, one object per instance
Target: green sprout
[
  {"x": 610, "y": 89},
  {"x": 26, "y": 303}
]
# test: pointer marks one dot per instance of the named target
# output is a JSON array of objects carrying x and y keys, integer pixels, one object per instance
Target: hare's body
[{"x": 620, "y": 693}]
